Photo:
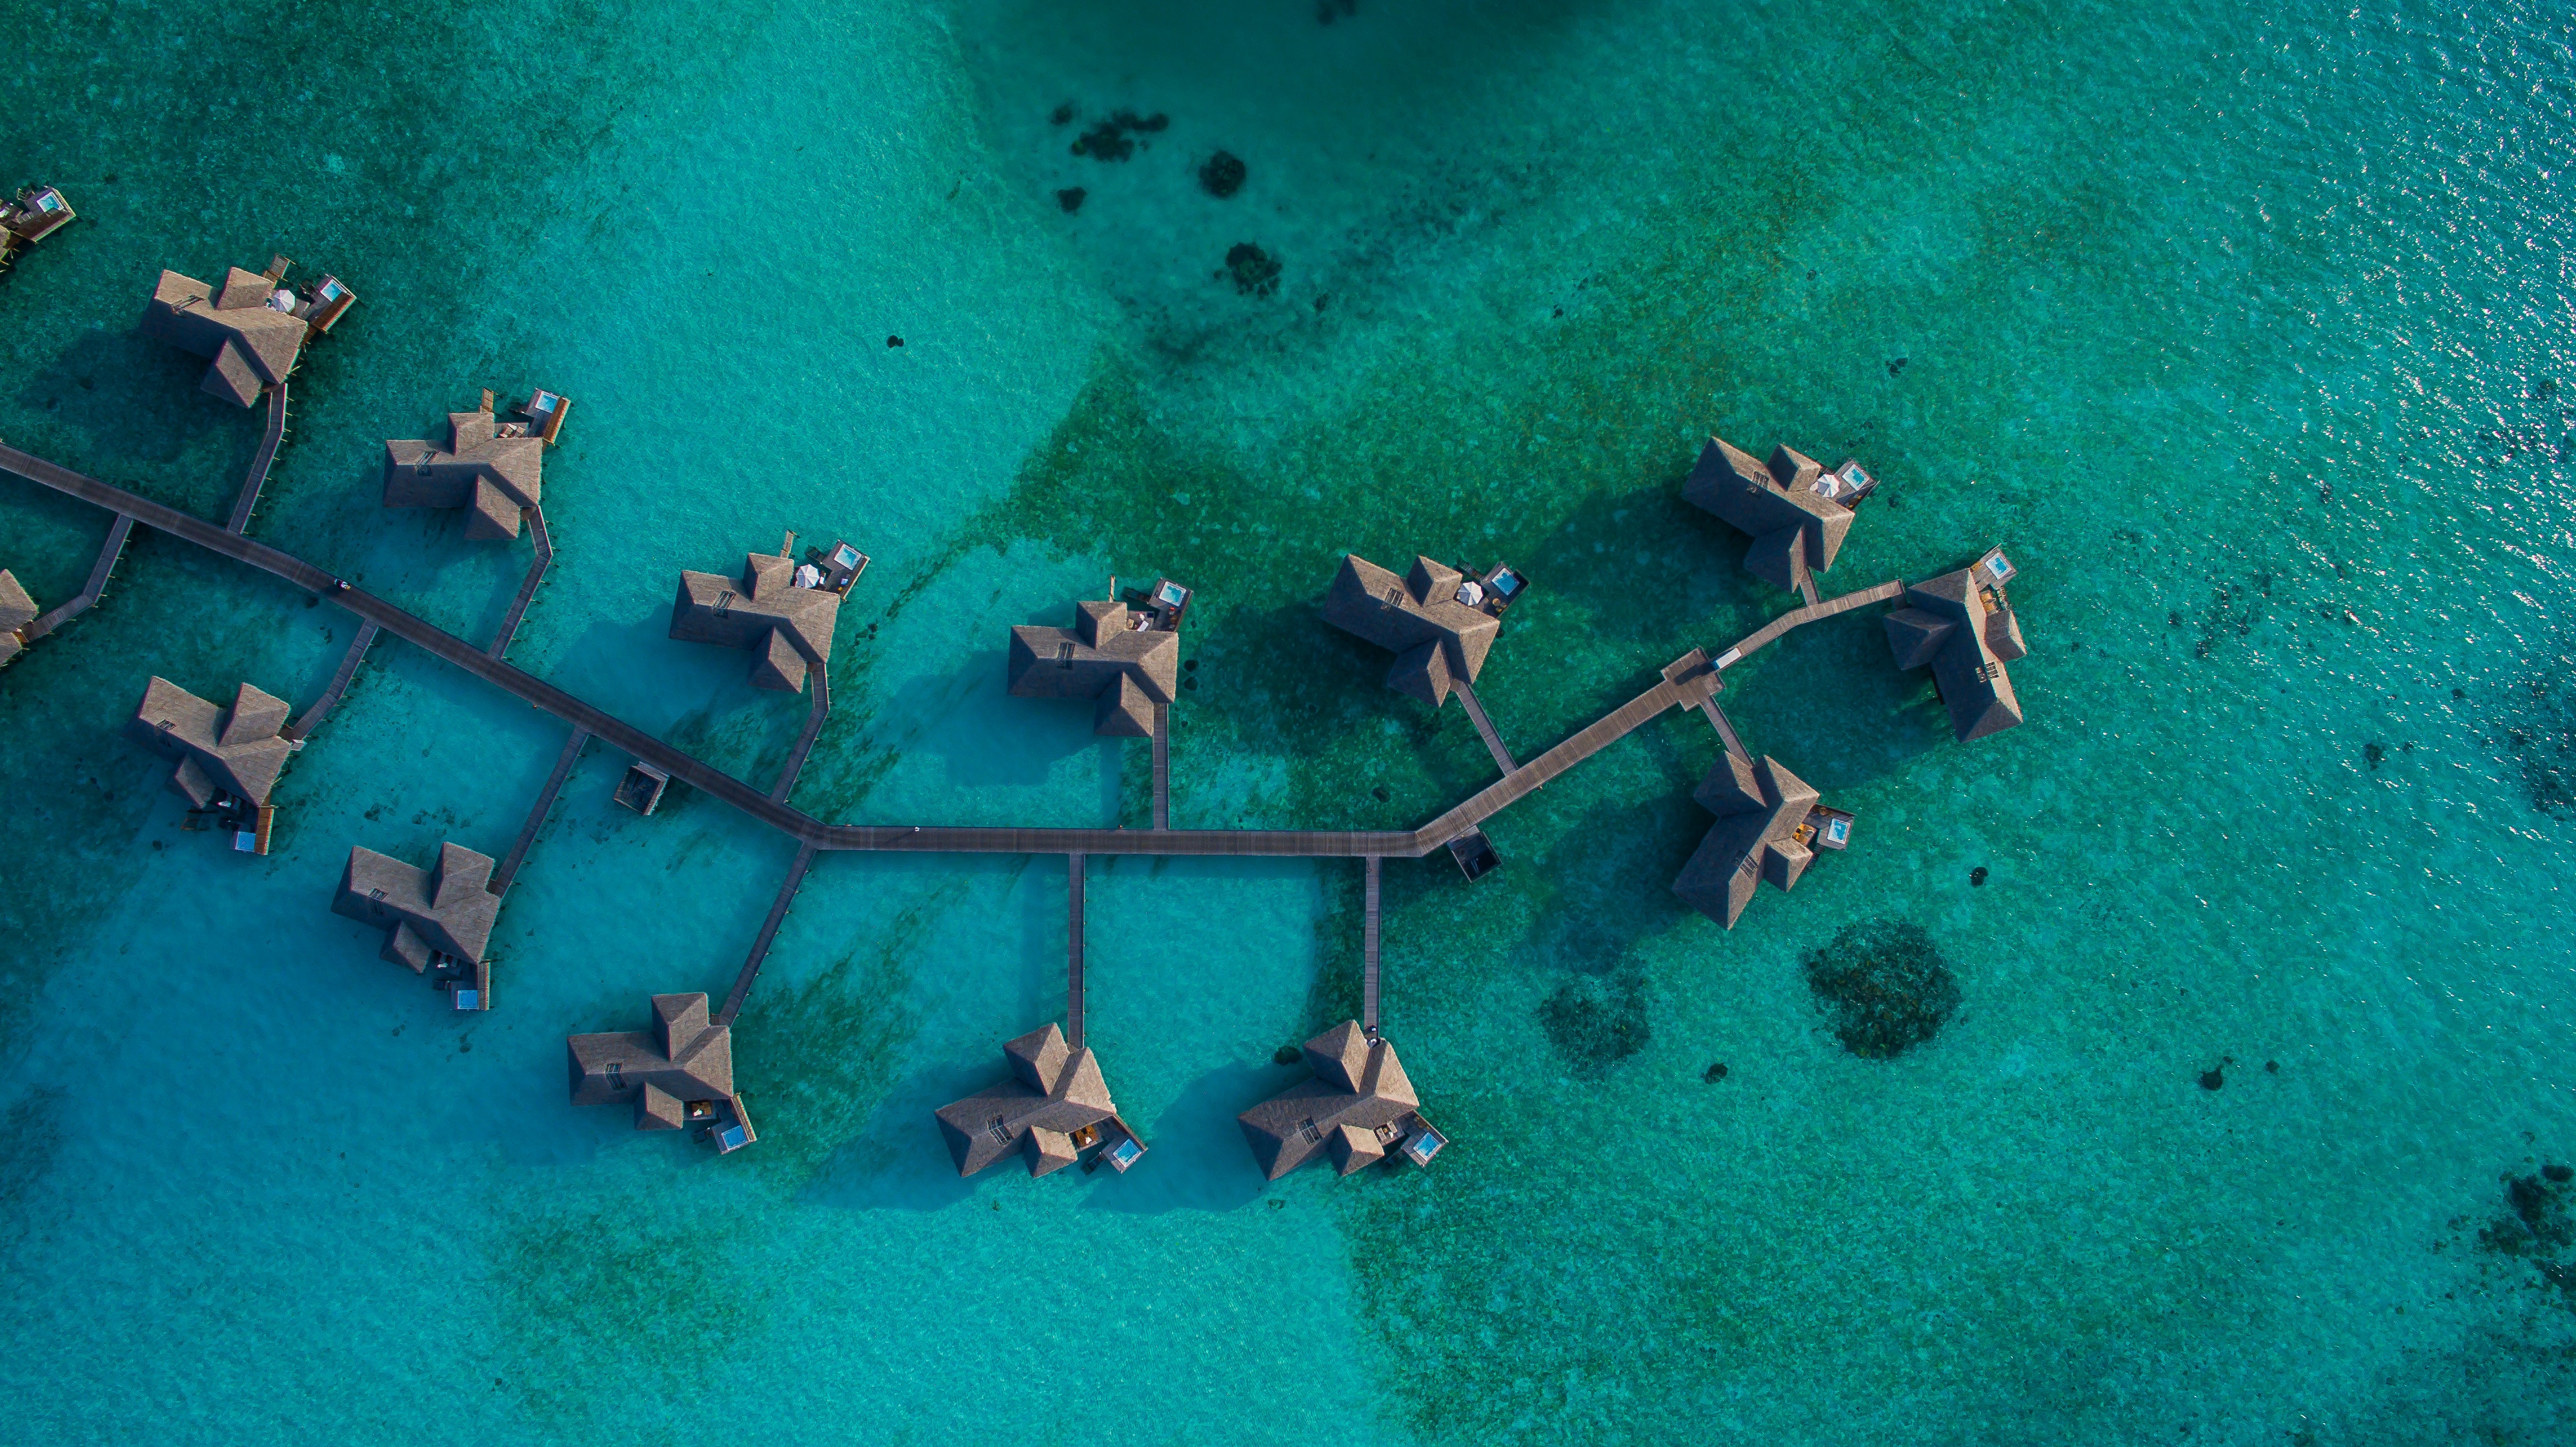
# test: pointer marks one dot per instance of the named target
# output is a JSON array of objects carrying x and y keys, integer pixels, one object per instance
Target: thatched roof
[
  {"x": 489, "y": 475},
  {"x": 1123, "y": 669},
  {"x": 1055, "y": 1089},
  {"x": 1760, "y": 808},
  {"x": 1965, "y": 633},
  {"x": 253, "y": 346},
  {"x": 1351, "y": 1111},
  {"x": 234, "y": 751},
  {"x": 685, "y": 1058},
  {"x": 788, "y": 629},
  {"x": 17, "y": 610},
  {"x": 426, "y": 913},
  {"x": 1796, "y": 530},
  {"x": 1435, "y": 638}
]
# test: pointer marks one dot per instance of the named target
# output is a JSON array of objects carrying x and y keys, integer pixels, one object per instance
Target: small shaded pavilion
[
  {"x": 1053, "y": 1107},
  {"x": 1357, "y": 1109},
  {"x": 786, "y": 623},
  {"x": 1960, "y": 626},
  {"x": 436, "y": 921},
  {"x": 227, "y": 757},
  {"x": 1117, "y": 659},
  {"x": 1796, "y": 512},
  {"x": 1769, "y": 824},
  {"x": 489, "y": 467},
  {"x": 677, "y": 1073},
  {"x": 1439, "y": 638},
  {"x": 253, "y": 328},
  {"x": 17, "y": 610}
]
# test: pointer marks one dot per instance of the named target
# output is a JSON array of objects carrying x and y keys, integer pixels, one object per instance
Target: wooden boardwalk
[
  {"x": 813, "y": 730},
  {"x": 1484, "y": 726},
  {"x": 1162, "y": 766},
  {"x": 262, "y": 462},
  {"x": 99, "y": 573},
  {"x": 1073, "y": 870},
  {"x": 1725, "y": 727},
  {"x": 768, "y": 933},
  {"x": 536, "y": 517},
  {"x": 330, "y": 698},
  {"x": 1812, "y": 613},
  {"x": 509, "y": 870},
  {"x": 733, "y": 792},
  {"x": 1368, "y": 954}
]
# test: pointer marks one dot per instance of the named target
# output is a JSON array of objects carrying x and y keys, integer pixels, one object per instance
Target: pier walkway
[
  {"x": 260, "y": 464},
  {"x": 768, "y": 932},
  {"x": 322, "y": 706},
  {"x": 1368, "y": 961},
  {"x": 1484, "y": 726},
  {"x": 1162, "y": 766},
  {"x": 941, "y": 839},
  {"x": 536, "y": 519},
  {"x": 509, "y": 870},
  {"x": 99, "y": 572},
  {"x": 1725, "y": 727},
  {"x": 1073, "y": 870},
  {"x": 816, "y": 672}
]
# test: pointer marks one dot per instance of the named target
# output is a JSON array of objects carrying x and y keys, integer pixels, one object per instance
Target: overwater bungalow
[
  {"x": 778, "y": 608},
  {"x": 1053, "y": 1107},
  {"x": 436, "y": 921},
  {"x": 490, "y": 467},
  {"x": 1796, "y": 511},
  {"x": 1112, "y": 656},
  {"x": 254, "y": 328},
  {"x": 1437, "y": 621},
  {"x": 17, "y": 610},
  {"x": 1358, "y": 1109},
  {"x": 677, "y": 1073},
  {"x": 1961, "y": 627},
  {"x": 32, "y": 215},
  {"x": 229, "y": 759},
  {"x": 1769, "y": 825}
]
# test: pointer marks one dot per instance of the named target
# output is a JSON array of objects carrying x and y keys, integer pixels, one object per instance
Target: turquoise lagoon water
[{"x": 2244, "y": 327}]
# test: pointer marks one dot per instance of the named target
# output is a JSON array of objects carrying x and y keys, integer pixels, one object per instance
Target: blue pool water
[{"x": 2243, "y": 328}]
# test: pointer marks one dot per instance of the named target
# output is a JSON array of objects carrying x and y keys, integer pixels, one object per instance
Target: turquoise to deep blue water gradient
[{"x": 2245, "y": 328}]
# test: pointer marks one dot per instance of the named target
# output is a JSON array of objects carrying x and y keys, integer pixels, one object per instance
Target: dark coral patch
[
  {"x": 1882, "y": 986},
  {"x": 1255, "y": 271},
  {"x": 1596, "y": 1021},
  {"x": 1222, "y": 175}
]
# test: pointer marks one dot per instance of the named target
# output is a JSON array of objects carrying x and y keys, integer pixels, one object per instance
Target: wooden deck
[
  {"x": 815, "y": 834},
  {"x": 96, "y": 587},
  {"x": 768, "y": 933},
  {"x": 509, "y": 870},
  {"x": 536, "y": 517},
  {"x": 330, "y": 698},
  {"x": 261, "y": 463}
]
